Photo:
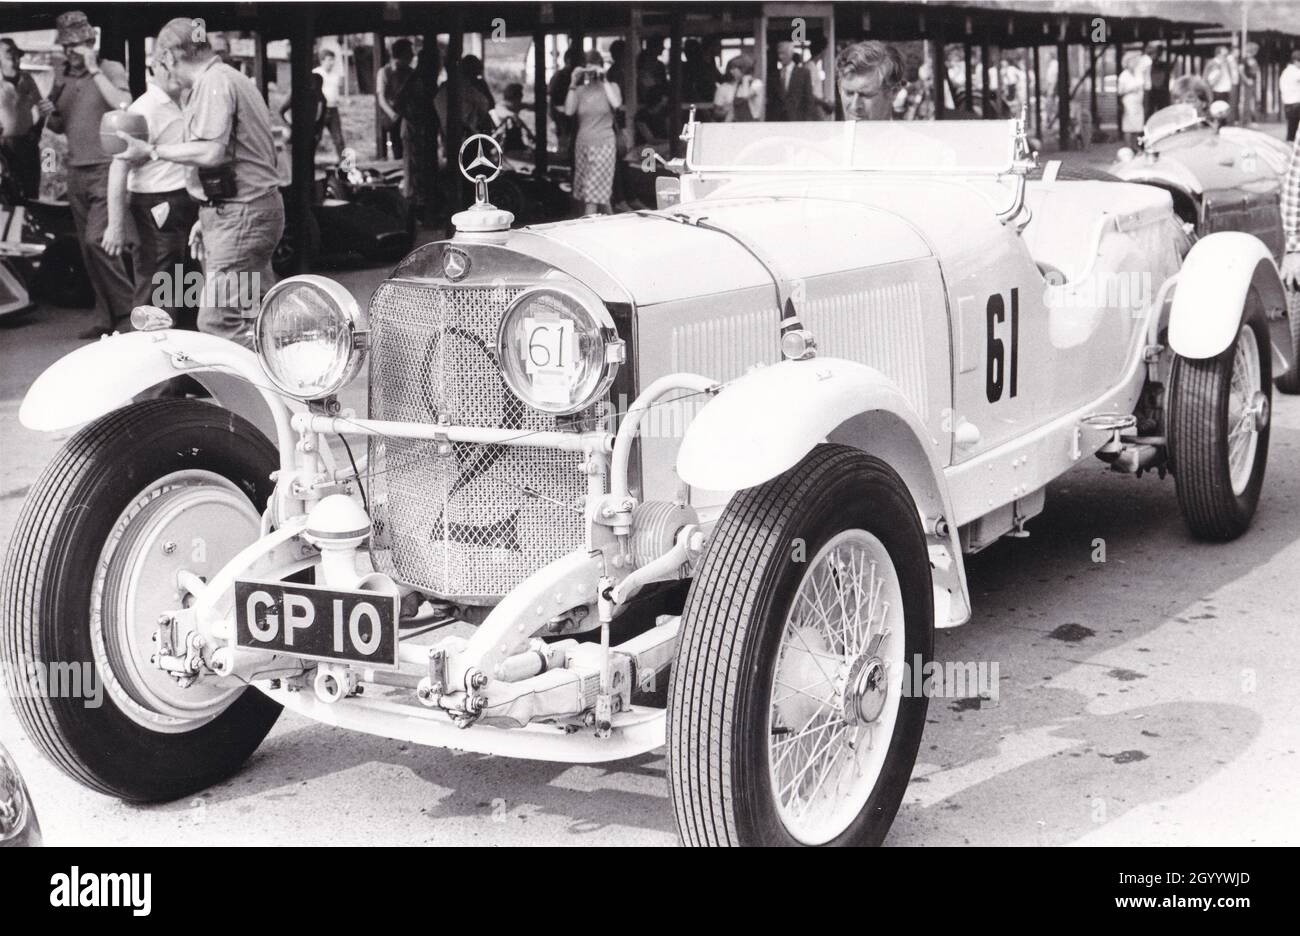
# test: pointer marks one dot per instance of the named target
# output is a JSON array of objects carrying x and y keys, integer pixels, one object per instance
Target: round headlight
[
  {"x": 16, "y": 816},
  {"x": 559, "y": 350},
  {"x": 311, "y": 336}
]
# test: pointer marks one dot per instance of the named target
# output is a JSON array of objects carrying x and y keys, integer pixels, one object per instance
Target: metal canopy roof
[{"x": 1028, "y": 21}]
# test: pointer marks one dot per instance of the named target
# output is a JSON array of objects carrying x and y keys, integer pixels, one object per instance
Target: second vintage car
[
  {"x": 1221, "y": 178},
  {"x": 700, "y": 478}
]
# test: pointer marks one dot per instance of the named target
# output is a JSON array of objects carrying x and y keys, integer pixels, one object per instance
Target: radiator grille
[{"x": 474, "y": 523}]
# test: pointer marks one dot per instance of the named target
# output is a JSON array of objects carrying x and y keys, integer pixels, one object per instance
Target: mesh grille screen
[{"x": 465, "y": 524}]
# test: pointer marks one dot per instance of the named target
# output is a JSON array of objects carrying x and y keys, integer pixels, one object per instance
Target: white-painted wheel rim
[
  {"x": 194, "y": 521},
  {"x": 840, "y": 663},
  {"x": 1247, "y": 406}
]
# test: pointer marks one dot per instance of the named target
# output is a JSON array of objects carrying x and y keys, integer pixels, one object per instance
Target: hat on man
[
  {"x": 13, "y": 47},
  {"x": 74, "y": 29}
]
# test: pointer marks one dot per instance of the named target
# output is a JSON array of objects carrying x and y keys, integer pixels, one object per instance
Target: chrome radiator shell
[{"x": 471, "y": 523}]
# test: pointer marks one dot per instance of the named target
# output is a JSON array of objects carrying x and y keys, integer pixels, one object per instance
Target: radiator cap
[
  {"x": 483, "y": 218},
  {"x": 481, "y": 159}
]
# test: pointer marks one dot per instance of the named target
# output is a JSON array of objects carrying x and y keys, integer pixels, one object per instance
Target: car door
[{"x": 1002, "y": 363}]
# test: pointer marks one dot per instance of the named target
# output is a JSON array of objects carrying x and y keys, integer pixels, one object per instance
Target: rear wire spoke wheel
[
  {"x": 133, "y": 498},
  {"x": 1289, "y": 382},
  {"x": 788, "y": 722},
  {"x": 1219, "y": 415}
]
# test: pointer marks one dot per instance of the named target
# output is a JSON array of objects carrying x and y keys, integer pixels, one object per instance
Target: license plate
[{"x": 317, "y": 623}]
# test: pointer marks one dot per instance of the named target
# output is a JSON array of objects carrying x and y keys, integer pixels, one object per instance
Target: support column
[
  {"x": 1094, "y": 56},
  {"x": 631, "y": 50},
  {"x": 1038, "y": 95},
  {"x": 112, "y": 34},
  {"x": 1063, "y": 94},
  {"x": 135, "y": 63},
  {"x": 970, "y": 77},
  {"x": 378, "y": 59},
  {"x": 541, "y": 106},
  {"x": 259, "y": 63},
  {"x": 301, "y": 190},
  {"x": 1119, "y": 98},
  {"x": 985, "y": 111},
  {"x": 675, "y": 79},
  {"x": 453, "y": 132},
  {"x": 939, "y": 74}
]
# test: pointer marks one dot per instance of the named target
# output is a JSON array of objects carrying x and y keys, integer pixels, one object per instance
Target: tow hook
[
  {"x": 463, "y": 708},
  {"x": 334, "y": 683}
]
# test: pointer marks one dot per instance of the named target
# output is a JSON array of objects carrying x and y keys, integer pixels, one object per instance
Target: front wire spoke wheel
[
  {"x": 787, "y": 723},
  {"x": 825, "y": 750}
]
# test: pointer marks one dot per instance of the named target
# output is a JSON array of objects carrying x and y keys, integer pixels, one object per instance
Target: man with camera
[
  {"x": 231, "y": 154},
  {"x": 86, "y": 90}
]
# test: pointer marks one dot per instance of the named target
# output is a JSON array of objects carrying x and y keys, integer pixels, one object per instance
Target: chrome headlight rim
[
  {"x": 354, "y": 319},
  {"x": 612, "y": 357},
  {"x": 20, "y": 815}
]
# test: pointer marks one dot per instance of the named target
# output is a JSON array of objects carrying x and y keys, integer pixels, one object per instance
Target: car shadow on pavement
[
  {"x": 441, "y": 784},
  {"x": 1060, "y": 752}
]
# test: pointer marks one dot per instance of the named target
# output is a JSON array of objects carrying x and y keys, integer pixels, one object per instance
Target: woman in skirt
[{"x": 592, "y": 102}]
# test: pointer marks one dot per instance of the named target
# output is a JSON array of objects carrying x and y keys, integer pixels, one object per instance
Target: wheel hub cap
[
  {"x": 868, "y": 691},
  {"x": 192, "y": 521},
  {"x": 1259, "y": 409}
]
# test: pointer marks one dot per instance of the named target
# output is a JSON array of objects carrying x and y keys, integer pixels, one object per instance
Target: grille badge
[{"x": 455, "y": 263}]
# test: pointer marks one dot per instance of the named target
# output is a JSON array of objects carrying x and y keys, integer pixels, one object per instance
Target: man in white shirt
[
  {"x": 1288, "y": 85},
  {"x": 331, "y": 87},
  {"x": 1221, "y": 75},
  {"x": 1012, "y": 83},
  {"x": 150, "y": 197}
]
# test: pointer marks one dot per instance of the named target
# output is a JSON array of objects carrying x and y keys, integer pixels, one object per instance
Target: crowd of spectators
[{"x": 198, "y": 181}]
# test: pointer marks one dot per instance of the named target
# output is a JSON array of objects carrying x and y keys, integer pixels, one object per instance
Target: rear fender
[{"x": 767, "y": 421}]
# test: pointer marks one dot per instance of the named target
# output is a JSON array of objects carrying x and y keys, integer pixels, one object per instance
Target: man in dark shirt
[
  {"x": 790, "y": 94},
  {"x": 20, "y": 133},
  {"x": 87, "y": 89},
  {"x": 392, "y": 79},
  {"x": 230, "y": 152}
]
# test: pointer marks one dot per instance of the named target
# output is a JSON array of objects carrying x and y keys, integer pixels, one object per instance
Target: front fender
[
  {"x": 1213, "y": 286},
  {"x": 101, "y": 377},
  {"x": 765, "y": 422}
]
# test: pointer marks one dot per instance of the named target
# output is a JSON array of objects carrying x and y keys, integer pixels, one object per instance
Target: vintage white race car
[{"x": 701, "y": 477}]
